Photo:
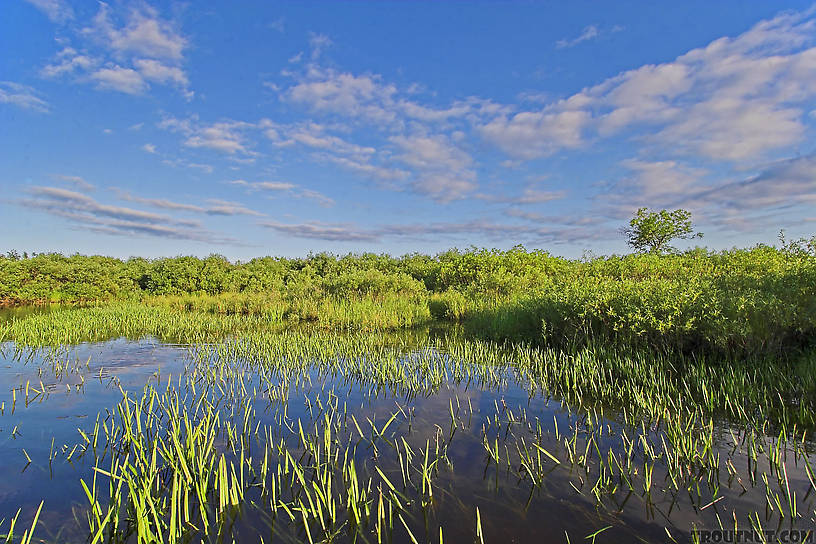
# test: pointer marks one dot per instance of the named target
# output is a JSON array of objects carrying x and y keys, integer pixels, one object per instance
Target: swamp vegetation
[{"x": 471, "y": 396}]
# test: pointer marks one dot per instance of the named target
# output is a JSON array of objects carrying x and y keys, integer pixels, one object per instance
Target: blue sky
[{"x": 166, "y": 128}]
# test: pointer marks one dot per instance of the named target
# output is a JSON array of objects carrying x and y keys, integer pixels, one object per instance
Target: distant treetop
[{"x": 650, "y": 231}]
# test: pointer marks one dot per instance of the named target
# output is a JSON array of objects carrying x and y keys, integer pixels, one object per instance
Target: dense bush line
[
  {"x": 758, "y": 300},
  {"x": 57, "y": 278}
]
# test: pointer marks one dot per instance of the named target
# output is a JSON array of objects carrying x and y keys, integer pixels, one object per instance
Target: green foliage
[
  {"x": 738, "y": 302},
  {"x": 652, "y": 231},
  {"x": 451, "y": 305},
  {"x": 759, "y": 300},
  {"x": 54, "y": 278}
]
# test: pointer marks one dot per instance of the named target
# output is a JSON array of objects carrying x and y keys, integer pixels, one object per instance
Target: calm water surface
[{"x": 46, "y": 427}]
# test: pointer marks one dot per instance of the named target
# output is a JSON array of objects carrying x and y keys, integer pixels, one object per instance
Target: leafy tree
[
  {"x": 652, "y": 231},
  {"x": 800, "y": 247}
]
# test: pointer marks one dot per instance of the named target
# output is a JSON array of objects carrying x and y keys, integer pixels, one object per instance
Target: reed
[{"x": 304, "y": 434}]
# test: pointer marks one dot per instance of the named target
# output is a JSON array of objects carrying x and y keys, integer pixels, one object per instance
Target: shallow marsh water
[{"x": 460, "y": 418}]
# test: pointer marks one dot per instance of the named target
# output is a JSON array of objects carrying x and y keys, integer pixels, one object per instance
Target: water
[
  {"x": 8, "y": 313},
  {"x": 71, "y": 401},
  {"x": 85, "y": 384}
]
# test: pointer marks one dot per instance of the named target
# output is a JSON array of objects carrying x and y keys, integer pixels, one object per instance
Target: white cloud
[
  {"x": 225, "y": 136},
  {"x": 327, "y": 90},
  {"x": 57, "y": 11},
  {"x": 150, "y": 148},
  {"x": 144, "y": 33},
  {"x": 431, "y": 153},
  {"x": 70, "y": 201},
  {"x": 415, "y": 143},
  {"x": 590, "y": 32},
  {"x": 125, "y": 57},
  {"x": 530, "y": 195},
  {"x": 326, "y": 147},
  {"x": 289, "y": 189},
  {"x": 78, "y": 181},
  {"x": 155, "y": 71},
  {"x": 443, "y": 171},
  {"x": 335, "y": 232},
  {"x": 219, "y": 136},
  {"x": 530, "y": 135},
  {"x": 735, "y": 99},
  {"x": 318, "y": 42},
  {"x": 68, "y": 61},
  {"x": 499, "y": 232},
  {"x": 159, "y": 202},
  {"x": 367, "y": 97},
  {"x": 658, "y": 183},
  {"x": 89, "y": 214},
  {"x": 424, "y": 113},
  {"x": 383, "y": 173},
  {"x": 781, "y": 184},
  {"x": 264, "y": 185},
  {"x": 734, "y": 129},
  {"x": 183, "y": 163},
  {"x": 278, "y": 24},
  {"x": 226, "y": 207},
  {"x": 320, "y": 198},
  {"x": 121, "y": 79},
  {"x": 22, "y": 96},
  {"x": 315, "y": 136},
  {"x": 213, "y": 207},
  {"x": 741, "y": 204}
]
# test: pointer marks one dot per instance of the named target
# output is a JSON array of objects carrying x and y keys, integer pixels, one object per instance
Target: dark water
[
  {"x": 8, "y": 313},
  {"x": 83, "y": 382},
  {"x": 48, "y": 423}
]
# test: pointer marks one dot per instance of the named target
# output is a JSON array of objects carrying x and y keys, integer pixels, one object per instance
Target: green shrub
[{"x": 742, "y": 301}]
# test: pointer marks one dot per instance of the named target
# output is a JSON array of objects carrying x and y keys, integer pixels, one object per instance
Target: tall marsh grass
[{"x": 736, "y": 303}]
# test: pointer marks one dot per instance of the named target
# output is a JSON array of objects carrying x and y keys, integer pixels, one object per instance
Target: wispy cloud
[
  {"x": 736, "y": 204},
  {"x": 87, "y": 213},
  {"x": 69, "y": 61},
  {"x": 443, "y": 171},
  {"x": 77, "y": 181},
  {"x": 85, "y": 203},
  {"x": 316, "y": 230},
  {"x": 290, "y": 189},
  {"x": 144, "y": 33},
  {"x": 213, "y": 207},
  {"x": 180, "y": 162},
  {"x": 278, "y": 24},
  {"x": 700, "y": 131},
  {"x": 330, "y": 148},
  {"x": 225, "y": 136},
  {"x": 227, "y": 207},
  {"x": 530, "y": 195},
  {"x": 361, "y": 96},
  {"x": 22, "y": 96},
  {"x": 778, "y": 185},
  {"x": 126, "y": 80},
  {"x": 589, "y": 33},
  {"x": 735, "y": 99},
  {"x": 531, "y": 232},
  {"x": 154, "y": 71},
  {"x": 124, "y": 51},
  {"x": 58, "y": 11},
  {"x": 368, "y": 97},
  {"x": 317, "y": 43}
]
